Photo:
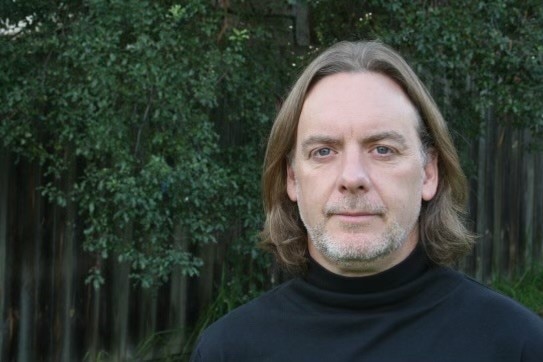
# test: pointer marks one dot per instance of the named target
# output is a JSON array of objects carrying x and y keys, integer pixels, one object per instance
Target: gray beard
[{"x": 345, "y": 255}]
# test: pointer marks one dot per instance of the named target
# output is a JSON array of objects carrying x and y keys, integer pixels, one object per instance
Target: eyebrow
[
  {"x": 318, "y": 140},
  {"x": 388, "y": 135}
]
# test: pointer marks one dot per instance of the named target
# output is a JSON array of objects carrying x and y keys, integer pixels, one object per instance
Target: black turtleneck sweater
[{"x": 415, "y": 311}]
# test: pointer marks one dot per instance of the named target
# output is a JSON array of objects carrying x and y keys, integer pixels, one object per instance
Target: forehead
[{"x": 361, "y": 101}]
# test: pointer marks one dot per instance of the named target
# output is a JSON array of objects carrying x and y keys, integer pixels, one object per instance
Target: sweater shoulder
[
  {"x": 235, "y": 330},
  {"x": 493, "y": 298},
  {"x": 260, "y": 307},
  {"x": 488, "y": 304}
]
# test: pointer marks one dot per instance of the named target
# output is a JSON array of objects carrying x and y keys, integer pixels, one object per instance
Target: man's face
[{"x": 358, "y": 173}]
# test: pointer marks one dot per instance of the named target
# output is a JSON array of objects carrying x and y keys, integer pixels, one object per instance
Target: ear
[
  {"x": 291, "y": 183},
  {"x": 431, "y": 176}
]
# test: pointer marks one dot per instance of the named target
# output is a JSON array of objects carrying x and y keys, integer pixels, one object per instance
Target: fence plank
[
  {"x": 528, "y": 198},
  {"x": 514, "y": 197},
  {"x": 537, "y": 253},
  {"x": 5, "y": 168}
]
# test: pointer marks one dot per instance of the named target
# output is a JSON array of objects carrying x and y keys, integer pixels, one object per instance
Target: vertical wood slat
[
  {"x": 18, "y": 274},
  {"x": 538, "y": 216},
  {"x": 528, "y": 198},
  {"x": 10, "y": 320},
  {"x": 483, "y": 197},
  {"x": 147, "y": 322},
  {"x": 57, "y": 284},
  {"x": 497, "y": 236},
  {"x": 537, "y": 250},
  {"x": 206, "y": 278},
  {"x": 30, "y": 262},
  {"x": 38, "y": 265},
  {"x": 512, "y": 193},
  {"x": 178, "y": 301},
  {"x": 119, "y": 301},
  {"x": 120, "y": 295},
  {"x": 92, "y": 346},
  {"x": 63, "y": 267},
  {"x": 5, "y": 168},
  {"x": 69, "y": 262}
]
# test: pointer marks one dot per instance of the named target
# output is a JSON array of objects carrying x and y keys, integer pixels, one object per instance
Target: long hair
[{"x": 443, "y": 232}]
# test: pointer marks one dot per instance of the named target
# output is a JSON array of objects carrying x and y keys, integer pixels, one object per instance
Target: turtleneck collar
[{"x": 406, "y": 271}]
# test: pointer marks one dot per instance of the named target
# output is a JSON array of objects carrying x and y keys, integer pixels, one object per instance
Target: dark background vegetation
[{"x": 132, "y": 135}]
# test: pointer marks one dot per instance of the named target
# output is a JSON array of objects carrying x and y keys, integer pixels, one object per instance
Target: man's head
[{"x": 360, "y": 158}]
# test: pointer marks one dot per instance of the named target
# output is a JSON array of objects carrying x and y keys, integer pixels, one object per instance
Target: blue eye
[
  {"x": 323, "y": 152},
  {"x": 382, "y": 150}
]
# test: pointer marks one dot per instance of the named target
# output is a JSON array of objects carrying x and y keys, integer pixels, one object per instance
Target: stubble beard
[
  {"x": 360, "y": 247},
  {"x": 366, "y": 249}
]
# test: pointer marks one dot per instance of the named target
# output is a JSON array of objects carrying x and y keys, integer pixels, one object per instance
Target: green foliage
[
  {"x": 150, "y": 116},
  {"x": 526, "y": 288},
  {"x": 127, "y": 98}
]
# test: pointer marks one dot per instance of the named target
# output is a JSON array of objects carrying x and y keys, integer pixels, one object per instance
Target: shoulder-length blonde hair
[{"x": 442, "y": 229}]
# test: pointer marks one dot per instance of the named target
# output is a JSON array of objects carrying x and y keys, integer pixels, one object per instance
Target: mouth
[
  {"x": 356, "y": 216},
  {"x": 356, "y": 213}
]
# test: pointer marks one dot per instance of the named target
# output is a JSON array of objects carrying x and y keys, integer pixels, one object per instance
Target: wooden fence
[
  {"x": 506, "y": 203},
  {"x": 49, "y": 313}
]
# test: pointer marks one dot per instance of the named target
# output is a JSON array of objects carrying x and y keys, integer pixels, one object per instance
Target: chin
[{"x": 351, "y": 248}]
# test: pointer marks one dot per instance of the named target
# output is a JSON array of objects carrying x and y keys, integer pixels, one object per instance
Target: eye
[
  {"x": 322, "y": 152},
  {"x": 383, "y": 150}
]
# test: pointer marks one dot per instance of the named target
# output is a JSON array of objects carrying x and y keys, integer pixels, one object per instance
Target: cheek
[
  {"x": 402, "y": 190},
  {"x": 311, "y": 194}
]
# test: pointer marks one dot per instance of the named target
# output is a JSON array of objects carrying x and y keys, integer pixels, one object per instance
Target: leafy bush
[{"x": 121, "y": 103}]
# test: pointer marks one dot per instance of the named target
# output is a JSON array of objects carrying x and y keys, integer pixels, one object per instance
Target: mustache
[{"x": 354, "y": 204}]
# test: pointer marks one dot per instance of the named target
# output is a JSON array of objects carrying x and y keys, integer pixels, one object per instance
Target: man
[{"x": 364, "y": 195}]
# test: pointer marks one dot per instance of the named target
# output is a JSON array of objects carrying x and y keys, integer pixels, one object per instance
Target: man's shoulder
[
  {"x": 244, "y": 323},
  {"x": 468, "y": 311},
  {"x": 489, "y": 303},
  {"x": 263, "y": 306}
]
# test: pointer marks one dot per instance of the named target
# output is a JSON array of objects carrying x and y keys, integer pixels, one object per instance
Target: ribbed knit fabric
[{"x": 415, "y": 311}]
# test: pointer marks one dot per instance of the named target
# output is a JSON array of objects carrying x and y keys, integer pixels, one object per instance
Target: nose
[{"x": 354, "y": 177}]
